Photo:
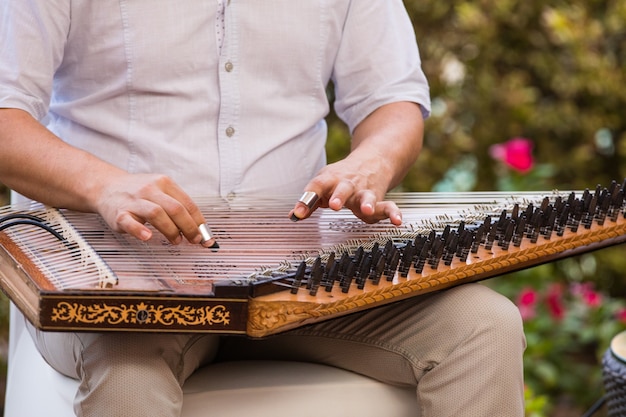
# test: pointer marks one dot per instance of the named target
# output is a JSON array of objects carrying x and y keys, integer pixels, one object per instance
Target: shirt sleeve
[
  {"x": 378, "y": 61},
  {"x": 32, "y": 39}
]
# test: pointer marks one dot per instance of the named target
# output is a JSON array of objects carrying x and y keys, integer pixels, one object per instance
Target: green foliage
[
  {"x": 568, "y": 324},
  {"x": 536, "y": 405},
  {"x": 549, "y": 71}
]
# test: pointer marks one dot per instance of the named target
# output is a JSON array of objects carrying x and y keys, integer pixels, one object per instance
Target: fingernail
[
  {"x": 145, "y": 235},
  {"x": 211, "y": 244},
  {"x": 206, "y": 239},
  {"x": 298, "y": 214}
]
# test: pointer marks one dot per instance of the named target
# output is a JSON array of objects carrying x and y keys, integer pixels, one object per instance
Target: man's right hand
[{"x": 129, "y": 201}]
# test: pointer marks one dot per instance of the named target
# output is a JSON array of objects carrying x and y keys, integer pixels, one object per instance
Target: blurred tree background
[{"x": 552, "y": 72}]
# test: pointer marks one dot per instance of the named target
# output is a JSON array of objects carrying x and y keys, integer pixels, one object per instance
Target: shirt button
[
  {"x": 231, "y": 196},
  {"x": 229, "y": 66},
  {"x": 230, "y": 131}
]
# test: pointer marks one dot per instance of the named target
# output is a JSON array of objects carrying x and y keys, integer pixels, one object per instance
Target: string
[{"x": 255, "y": 236}]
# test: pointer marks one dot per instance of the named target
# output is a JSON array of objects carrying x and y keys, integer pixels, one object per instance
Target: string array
[{"x": 258, "y": 242}]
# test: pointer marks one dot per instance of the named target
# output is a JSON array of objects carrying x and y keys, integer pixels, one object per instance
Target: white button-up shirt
[{"x": 148, "y": 86}]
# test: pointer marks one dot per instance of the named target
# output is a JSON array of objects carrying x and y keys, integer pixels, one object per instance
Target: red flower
[
  {"x": 554, "y": 299},
  {"x": 515, "y": 153}
]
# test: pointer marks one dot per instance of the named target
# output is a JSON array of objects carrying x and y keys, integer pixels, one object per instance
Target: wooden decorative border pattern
[{"x": 139, "y": 314}]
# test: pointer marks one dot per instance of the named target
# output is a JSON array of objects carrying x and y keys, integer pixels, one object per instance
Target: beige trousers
[{"x": 461, "y": 349}]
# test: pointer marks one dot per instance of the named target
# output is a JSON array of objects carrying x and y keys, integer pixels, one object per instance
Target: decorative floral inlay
[{"x": 140, "y": 313}]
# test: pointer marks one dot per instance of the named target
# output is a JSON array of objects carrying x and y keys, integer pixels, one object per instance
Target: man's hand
[
  {"x": 344, "y": 184},
  {"x": 384, "y": 146},
  {"x": 131, "y": 200},
  {"x": 71, "y": 178}
]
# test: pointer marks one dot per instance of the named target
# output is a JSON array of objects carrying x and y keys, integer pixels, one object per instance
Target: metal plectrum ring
[{"x": 309, "y": 198}]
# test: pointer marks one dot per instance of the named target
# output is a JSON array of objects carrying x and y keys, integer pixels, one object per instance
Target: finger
[
  {"x": 131, "y": 219},
  {"x": 208, "y": 241},
  {"x": 305, "y": 206},
  {"x": 343, "y": 191},
  {"x": 167, "y": 217},
  {"x": 367, "y": 203},
  {"x": 390, "y": 210},
  {"x": 382, "y": 210},
  {"x": 185, "y": 223},
  {"x": 186, "y": 214},
  {"x": 127, "y": 223}
]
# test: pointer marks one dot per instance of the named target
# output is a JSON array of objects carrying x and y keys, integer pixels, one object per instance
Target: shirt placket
[{"x": 228, "y": 121}]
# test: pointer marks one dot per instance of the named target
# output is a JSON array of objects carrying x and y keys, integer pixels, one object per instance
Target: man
[{"x": 130, "y": 108}]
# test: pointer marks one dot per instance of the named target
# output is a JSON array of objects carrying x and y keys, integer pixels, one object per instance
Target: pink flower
[
  {"x": 621, "y": 315},
  {"x": 526, "y": 302},
  {"x": 593, "y": 299},
  {"x": 586, "y": 292},
  {"x": 516, "y": 153}
]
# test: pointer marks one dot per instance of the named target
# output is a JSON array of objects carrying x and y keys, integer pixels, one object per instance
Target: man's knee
[{"x": 486, "y": 311}]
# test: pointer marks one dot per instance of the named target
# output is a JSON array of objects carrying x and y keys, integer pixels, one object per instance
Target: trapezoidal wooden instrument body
[{"x": 68, "y": 271}]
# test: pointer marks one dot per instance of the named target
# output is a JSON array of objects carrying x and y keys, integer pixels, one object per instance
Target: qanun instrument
[{"x": 67, "y": 271}]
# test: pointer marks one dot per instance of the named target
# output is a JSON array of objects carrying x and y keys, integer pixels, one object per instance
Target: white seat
[{"x": 252, "y": 388}]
